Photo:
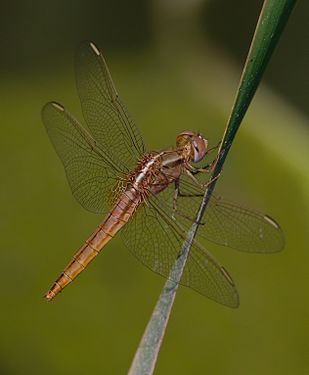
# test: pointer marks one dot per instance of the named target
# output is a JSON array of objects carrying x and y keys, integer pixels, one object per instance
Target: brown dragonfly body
[
  {"x": 150, "y": 198},
  {"x": 120, "y": 214},
  {"x": 153, "y": 174}
]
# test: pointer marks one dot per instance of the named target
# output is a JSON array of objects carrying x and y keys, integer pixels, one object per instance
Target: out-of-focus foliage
[
  {"x": 289, "y": 65},
  {"x": 169, "y": 84}
]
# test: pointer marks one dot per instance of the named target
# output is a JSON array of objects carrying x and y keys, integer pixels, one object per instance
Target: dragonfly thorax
[
  {"x": 146, "y": 170},
  {"x": 156, "y": 170}
]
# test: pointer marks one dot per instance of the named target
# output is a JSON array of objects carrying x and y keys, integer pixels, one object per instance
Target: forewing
[
  {"x": 105, "y": 114},
  {"x": 91, "y": 172},
  {"x": 227, "y": 223},
  {"x": 156, "y": 239}
]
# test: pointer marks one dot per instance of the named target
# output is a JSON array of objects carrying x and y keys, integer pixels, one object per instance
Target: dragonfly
[{"x": 151, "y": 198}]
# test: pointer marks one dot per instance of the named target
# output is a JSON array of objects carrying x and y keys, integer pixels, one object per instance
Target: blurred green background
[{"x": 176, "y": 64}]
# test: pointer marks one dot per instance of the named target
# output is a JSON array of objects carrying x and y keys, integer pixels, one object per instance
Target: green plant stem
[{"x": 272, "y": 20}]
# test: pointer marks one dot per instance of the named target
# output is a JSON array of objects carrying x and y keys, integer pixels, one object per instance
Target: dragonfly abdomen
[{"x": 123, "y": 209}]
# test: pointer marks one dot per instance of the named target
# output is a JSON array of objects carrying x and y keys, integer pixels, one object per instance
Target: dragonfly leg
[
  {"x": 207, "y": 169},
  {"x": 211, "y": 181},
  {"x": 180, "y": 194},
  {"x": 203, "y": 186},
  {"x": 176, "y": 194},
  {"x": 213, "y": 148}
]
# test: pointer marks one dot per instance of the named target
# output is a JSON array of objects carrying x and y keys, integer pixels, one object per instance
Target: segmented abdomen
[{"x": 118, "y": 216}]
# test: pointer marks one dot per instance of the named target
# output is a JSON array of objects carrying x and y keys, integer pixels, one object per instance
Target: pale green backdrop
[{"x": 175, "y": 68}]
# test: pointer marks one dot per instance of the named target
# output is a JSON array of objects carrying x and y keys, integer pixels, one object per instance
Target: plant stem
[{"x": 272, "y": 20}]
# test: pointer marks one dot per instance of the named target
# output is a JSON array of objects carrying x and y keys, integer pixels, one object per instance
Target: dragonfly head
[{"x": 195, "y": 143}]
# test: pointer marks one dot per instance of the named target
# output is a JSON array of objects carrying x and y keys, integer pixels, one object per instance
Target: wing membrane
[
  {"x": 155, "y": 239},
  {"x": 94, "y": 161},
  {"x": 105, "y": 114},
  {"x": 227, "y": 223},
  {"x": 156, "y": 233},
  {"x": 91, "y": 172}
]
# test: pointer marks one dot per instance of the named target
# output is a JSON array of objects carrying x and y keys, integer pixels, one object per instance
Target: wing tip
[
  {"x": 271, "y": 221},
  {"x": 94, "y": 48},
  {"x": 53, "y": 104},
  {"x": 228, "y": 276},
  {"x": 236, "y": 300},
  {"x": 235, "y": 303},
  {"x": 279, "y": 231},
  {"x": 57, "y": 106}
]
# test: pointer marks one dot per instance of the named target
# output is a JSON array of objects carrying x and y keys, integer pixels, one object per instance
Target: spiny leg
[
  {"x": 213, "y": 148},
  {"x": 203, "y": 186},
  {"x": 176, "y": 194},
  {"x": 207, "y": 169},
  {"x": 191, "y": 171}
]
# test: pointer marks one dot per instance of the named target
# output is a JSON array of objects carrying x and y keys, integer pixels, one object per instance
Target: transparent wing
[
  {"x": 227, "y": 223},
  {"x": 156, "y": 239},
  {"x": 90, "y": 171},
  {"x": 105, "y": 114}
]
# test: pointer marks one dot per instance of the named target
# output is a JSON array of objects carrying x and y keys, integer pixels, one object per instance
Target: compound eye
[{"x": 196, "y": 152}]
